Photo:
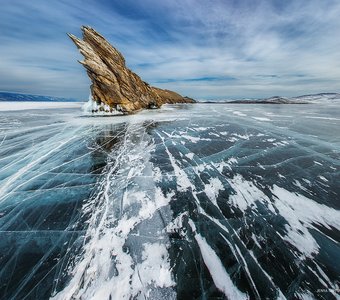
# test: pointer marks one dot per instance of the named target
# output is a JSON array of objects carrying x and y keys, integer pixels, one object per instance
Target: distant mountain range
[
  {"x": 7, "y": 96},
  {"x": 305, "y": 99}
]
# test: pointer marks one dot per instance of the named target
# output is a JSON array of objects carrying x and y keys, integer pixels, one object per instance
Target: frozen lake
[{"x": 235, "y": 201}]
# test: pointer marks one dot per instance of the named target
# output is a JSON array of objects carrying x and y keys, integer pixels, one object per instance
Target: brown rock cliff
[{"x": 113, "y": 83}]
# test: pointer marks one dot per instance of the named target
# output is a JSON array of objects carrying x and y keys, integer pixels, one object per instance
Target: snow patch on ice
[
  {"x": 242, "y": 136},
  {"x": 201, "y": 128},
  {"x": 155, "y": 267},
  {"x": 217, "y": 271},
  {"x": 194, "y": 139},
  {"x": 262, "y": 119},
  {"x": 323, "y": 178},
  {"x": 246, "y": 194},
  {"x": 232, "y": 160},
  {"x": 190, "y": 155},
  {"x": 302, "y": 213},
  {"x": 212, "y": 189},
  {"x": 240, "y": 114}
]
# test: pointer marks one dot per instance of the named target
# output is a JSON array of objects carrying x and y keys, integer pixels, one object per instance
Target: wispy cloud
[{"x": 203, "y": 49}]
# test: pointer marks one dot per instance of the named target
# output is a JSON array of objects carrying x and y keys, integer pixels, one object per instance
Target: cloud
[{"x": 203, "y": 49}]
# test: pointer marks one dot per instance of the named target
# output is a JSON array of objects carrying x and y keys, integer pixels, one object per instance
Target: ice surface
[
  {"x": 190, "y": 201},
  {"x": 25, "y": 105}
]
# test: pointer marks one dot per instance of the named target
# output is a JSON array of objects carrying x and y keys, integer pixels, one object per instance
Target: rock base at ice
[{"x": 113, "y": 84}]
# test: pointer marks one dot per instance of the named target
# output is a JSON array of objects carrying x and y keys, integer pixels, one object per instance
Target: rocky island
[{"x": 115, "y": 87}]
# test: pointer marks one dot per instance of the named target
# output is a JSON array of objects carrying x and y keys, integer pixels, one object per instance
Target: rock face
[{"x": 113, "y": 84}]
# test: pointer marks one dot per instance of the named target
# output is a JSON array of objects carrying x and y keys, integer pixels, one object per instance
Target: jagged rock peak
[{"x": 113, "y": 84}]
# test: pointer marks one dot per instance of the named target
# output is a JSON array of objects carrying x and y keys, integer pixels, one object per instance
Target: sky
[{"x": 214, "y": 49}]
